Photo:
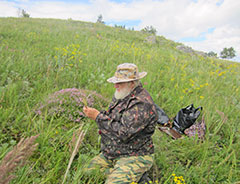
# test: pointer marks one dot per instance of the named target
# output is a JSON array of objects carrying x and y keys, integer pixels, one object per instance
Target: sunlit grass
[{"x": 42, "y": 56}]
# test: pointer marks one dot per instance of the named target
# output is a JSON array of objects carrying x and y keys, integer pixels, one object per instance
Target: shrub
[
  {"x": 100, "y": 19},
  {"x": 23, "y": 13},
  {"x": 68, "y": 104},
  {"x": 150, "y": 30},
  {"x": 212, "y": 54}
]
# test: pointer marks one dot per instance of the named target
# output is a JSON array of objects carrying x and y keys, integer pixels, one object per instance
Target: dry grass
[
  {"x": 77, "y": 142},
  {"x": 16, "y": 158}
]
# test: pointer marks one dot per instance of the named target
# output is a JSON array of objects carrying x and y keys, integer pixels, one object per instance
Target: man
[{"x": 126, "y": 129}]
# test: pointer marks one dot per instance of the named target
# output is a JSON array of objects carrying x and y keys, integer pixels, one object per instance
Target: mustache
[{"x": 122, "y": 93}]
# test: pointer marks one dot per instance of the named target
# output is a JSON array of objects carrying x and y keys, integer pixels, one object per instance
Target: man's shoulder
[{"x": 143, "y": 97}]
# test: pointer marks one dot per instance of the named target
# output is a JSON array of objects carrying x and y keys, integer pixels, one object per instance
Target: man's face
[{"x": 123, "y": 89}]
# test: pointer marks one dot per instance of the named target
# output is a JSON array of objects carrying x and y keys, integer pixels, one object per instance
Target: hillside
[{"x": 42, "y": 56}]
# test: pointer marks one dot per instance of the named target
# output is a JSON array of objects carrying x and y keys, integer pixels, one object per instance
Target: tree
[
  {"x": 23, "y": 13},
  {"x": 212, "y": 54},
  {"x": 100, "y": 19},
  {"x": 228, "y": 53},
  {"x": 120, "y": 26},
  {"x": 150, "y": 30}
]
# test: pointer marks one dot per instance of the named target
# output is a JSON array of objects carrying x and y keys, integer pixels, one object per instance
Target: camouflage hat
[{"x": 126, "y": 72}]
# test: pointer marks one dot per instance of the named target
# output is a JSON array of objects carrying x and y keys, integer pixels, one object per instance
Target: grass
[{"x": 41, "y": 56}]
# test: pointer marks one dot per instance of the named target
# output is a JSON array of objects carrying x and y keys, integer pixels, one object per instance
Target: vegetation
[
  {"x": 100, "y": 19},
  {"x": 23, "y": 13},
  {"x": 41, "y": 57},
  {"x": 150, "y": 30},
  {"x": 228, "y": 53},
  {"x": 212, "y": 54}
]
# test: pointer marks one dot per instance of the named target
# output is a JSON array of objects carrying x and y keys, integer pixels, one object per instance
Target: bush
[
  {"x": 150, "y": 30},
  {"x": 68, "y": 104},
  {"x": 100, "y": 19},
  {"x": 23, "y": 13},
  {"x": 211, "y": 54}
]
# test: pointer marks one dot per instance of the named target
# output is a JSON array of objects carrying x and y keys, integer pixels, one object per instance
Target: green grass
[{"x": 36, "y": 61}]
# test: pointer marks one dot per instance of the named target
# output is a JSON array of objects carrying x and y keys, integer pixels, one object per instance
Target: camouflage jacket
[{"x": 127, "y": 126}]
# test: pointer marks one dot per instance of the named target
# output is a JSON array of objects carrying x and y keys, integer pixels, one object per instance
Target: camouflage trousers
[{"x": 124, "y": 170}]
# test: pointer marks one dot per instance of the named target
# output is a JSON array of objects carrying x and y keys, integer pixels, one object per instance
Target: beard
[{"x": 122, "y": 93}]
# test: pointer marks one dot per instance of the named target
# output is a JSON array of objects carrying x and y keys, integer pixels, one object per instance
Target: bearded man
[{"x": 126, "y": 129}]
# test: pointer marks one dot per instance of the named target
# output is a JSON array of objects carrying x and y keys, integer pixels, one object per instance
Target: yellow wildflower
[
  {"x": 192, "y": 81},
  {"x": 220, "y": 74}
]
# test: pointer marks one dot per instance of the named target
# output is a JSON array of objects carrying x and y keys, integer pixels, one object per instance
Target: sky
[{"x": 204, "y": 25}]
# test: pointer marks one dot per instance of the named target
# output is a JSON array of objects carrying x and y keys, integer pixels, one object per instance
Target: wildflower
[
  {"x": 202, "y": 97},
  {"x": 178, "y": 180},
  {"x": 67, "y": 103},
  {"x": 212, "y": 73},
  {"x": 192, "y": 81},
  {"x": 185, "y": 90},
  {"x": 221, "y": 73}
]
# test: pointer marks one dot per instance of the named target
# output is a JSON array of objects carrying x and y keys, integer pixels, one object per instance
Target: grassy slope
[{"x": 32, "y": 67}]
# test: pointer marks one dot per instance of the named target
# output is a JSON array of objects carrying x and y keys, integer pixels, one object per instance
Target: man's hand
[{"x": 90, "y": 112}]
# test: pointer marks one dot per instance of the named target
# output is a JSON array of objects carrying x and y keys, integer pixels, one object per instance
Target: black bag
[
  {"x": 185, "y": 118},
  {"x": 162, "y": 116}
]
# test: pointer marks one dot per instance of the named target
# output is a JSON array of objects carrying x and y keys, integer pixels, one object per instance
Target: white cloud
[
  {"x": 173, "y": 19},
  {"x": 225, "y": 36},
  {"x": 8, "y": 9}
]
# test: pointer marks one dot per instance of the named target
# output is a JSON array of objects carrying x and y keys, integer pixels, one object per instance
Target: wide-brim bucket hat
[{"x": 126, "y": 72}]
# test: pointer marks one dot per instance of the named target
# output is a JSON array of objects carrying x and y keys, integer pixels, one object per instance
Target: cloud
[
  {"x": 186, "y": 20},
  {"x": 8, "y": 9},
  {"x": 224, "y": 36}
]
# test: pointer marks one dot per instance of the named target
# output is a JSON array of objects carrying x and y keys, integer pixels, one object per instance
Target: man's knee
[
  {"x": 130, "y": 169},
  {"x": 98, "y": 163}
]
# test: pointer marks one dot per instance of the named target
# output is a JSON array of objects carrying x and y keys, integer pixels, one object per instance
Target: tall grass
[{"x": 41, "y": 56}]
